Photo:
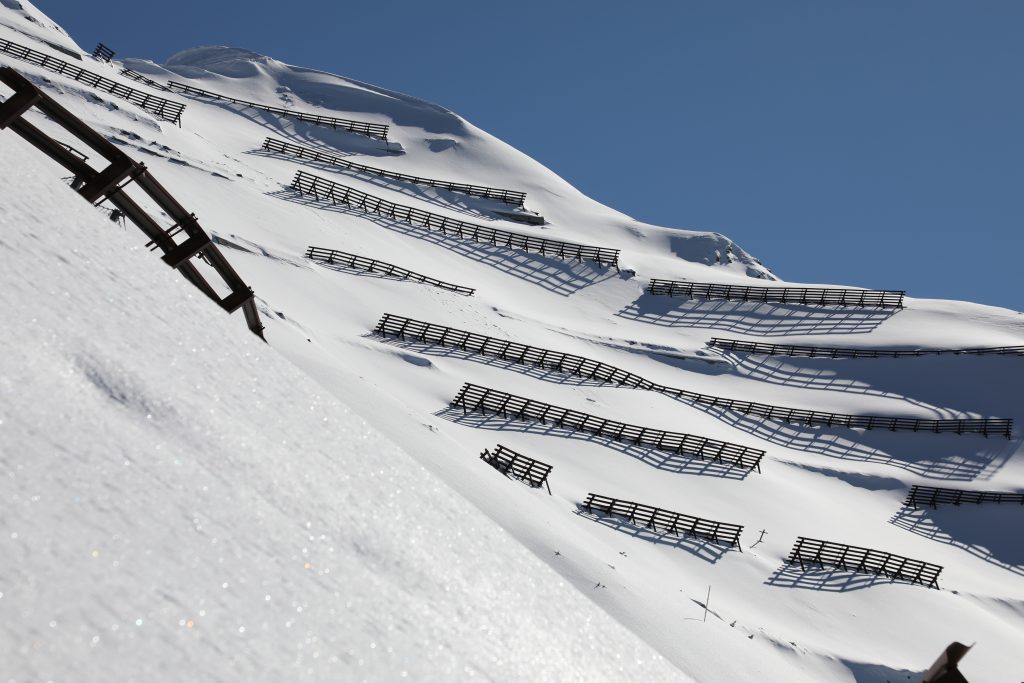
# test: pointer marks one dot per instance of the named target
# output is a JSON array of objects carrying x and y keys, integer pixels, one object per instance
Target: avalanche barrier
[
  {"x": 512, "y": 464},
  {"x": 807, "y": 296},
  {"x": 934, "y": 496},
  {"x": 569, "y": 364},
  {"x": 763, "y": 349},
  {"x": 863, "y": 560},
  {"x": 332, "y": 256},
  {"x": 666, "y": 521}
]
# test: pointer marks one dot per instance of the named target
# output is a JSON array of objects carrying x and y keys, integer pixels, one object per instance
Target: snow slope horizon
[{"x": 839, "y": 484}]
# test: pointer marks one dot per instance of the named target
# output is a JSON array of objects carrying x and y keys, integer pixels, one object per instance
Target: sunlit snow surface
[{"x": 165, "y": 472}]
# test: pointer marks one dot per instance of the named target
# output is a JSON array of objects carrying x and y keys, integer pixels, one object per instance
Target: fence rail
[
  {"x": 322, "y": 189},
  {"x": 373, "y": 265},
  {"x": 811, "y": 296},
  {"x": 508, "y": 462},
  {"x": 570, "y": 364},
  {"x": 761, "y": 348},
  {"x": 934, "y": 496},
  {"x": 162, "y": 108},
  {"x": 864, "y": 560},
  {"x": 283, "y": 147},
  {"x": 665, "y": 521},
  {"x": 475, "y": 398},
  {"x": 136, "y": 76},
  {"x": 372, "y": 130},
  {"x": 180, "y": 242},
  {"x": 103, "y": 52}
]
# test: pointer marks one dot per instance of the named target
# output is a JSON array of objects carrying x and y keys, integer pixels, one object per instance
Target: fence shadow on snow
[
  {"x": 554, "y": 275},
  {"x": 746, "y": 317}
]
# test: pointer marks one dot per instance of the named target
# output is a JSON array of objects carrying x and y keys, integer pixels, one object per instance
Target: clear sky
[{"x": 873, "y": 143}]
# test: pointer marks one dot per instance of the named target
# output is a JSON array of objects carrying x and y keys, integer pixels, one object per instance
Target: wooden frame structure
[
  {"x": 110, "y": 184},
  {"x": 475, "y": 398},
  {"x": 333, "y": 256},
  {"x": 805, "y": 296},
  {"x": 283, "y": 147},
  {"x": 164, "y": 109},
  {"x": 934, "y": 497},
  {"x": 512, "y": 464},
  {"x": 666, "y": 521},
  {"x": 760, "y": 348},
  {"x": 812, "y": 551},
  {"x": 371, "y": 130},
  {"x": 570, "y": 364}
]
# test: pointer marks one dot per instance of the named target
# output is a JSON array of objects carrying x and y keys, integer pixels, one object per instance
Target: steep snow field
[{"x": 402, "y": 540}]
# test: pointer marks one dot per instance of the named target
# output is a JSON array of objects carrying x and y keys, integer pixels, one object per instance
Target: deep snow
[{"x": 764, "y": 622}]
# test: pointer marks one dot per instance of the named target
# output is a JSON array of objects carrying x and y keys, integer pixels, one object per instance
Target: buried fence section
[
  {"x": 372, "y": 130},
  {"x": 934, "y": 496},
  {"x": 180, "y": 242},
  {"x": 507, "y": 196},
  {"x": 808, "y": 296},
  {"x": 165, "y": 109},
  {"x": 666, "y": 521},
  {"x": 811, "y": 551},
  {"x": 333, "y": 256},
  {"x": 761, "y": 348},
  {"x": 336, "y": 193},
  {"x": 570, "y": 364},
  {"x": 508, "y": 462},
  {"x": 475, "y": 398}
]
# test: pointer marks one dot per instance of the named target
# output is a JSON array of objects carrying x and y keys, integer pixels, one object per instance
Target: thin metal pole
[{"x": 707, "y": 601}]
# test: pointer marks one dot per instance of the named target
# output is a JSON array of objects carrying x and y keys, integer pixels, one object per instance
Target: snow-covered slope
[{"x": 839, "y": 484}]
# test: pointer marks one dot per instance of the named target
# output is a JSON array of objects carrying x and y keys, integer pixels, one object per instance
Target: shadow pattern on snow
[
  {"x": 937, "y": 457},
  {"x": 962, "y": 383},
  {"x": 703, "y": 549},
  {"x": 556, "y": 276},
  {"x": 985, "y": 531},
  {"x": 751, "y": 317},
  {"x": 668, "y": 462},
  {"x": 826, "y": 579},
  {"x": 478, "y": 209}
]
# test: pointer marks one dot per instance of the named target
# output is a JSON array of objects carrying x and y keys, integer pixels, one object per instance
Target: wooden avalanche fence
[
  {"x": 336, "y": 193},
  {"x": 760, "y": 348},
  {"x": 665, "y": 521},
  {"x": 136, "y": 76},
  {"x": 162, "y": 108},
  {"x": 474, "y": 398},
  {"x": 811, "y": 551},
  {"x": 180, "y": 242},
  {"x": 341, "y": 258},
  {"x": 372, "y": 130},
  {"x": 512, "y": 464},
  {"x": 283, "y": 147},
  {"x": 934, "y": 497},
  {"x": 809, "y": 296},
  {"x": 521, "y": 354}
]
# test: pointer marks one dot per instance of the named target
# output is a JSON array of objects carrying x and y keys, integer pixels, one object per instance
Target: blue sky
[{"x": 877, "y": 143}]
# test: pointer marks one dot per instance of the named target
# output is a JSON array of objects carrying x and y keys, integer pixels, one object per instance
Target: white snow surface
[{"x": 163, "y": 465}]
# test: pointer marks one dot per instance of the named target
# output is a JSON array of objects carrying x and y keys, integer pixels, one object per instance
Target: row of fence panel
[
  {"x": 513, "y": 464},
  {"x": 570, "y": 364},
  {"x": 808, "y": 296},
  {"x": 341, "y": 258},
  {"x": 665, "y": 521},
  {"x": 764, "y": 349},
  {"x": 162, "y": 108},
  {"x": 934, "y": 496},
  {"x": 336, "y": 193},
  {"x": 812, "y": 551},
  {"x": 475, "y": 398},
  {"x": 282, "y": 147}
]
